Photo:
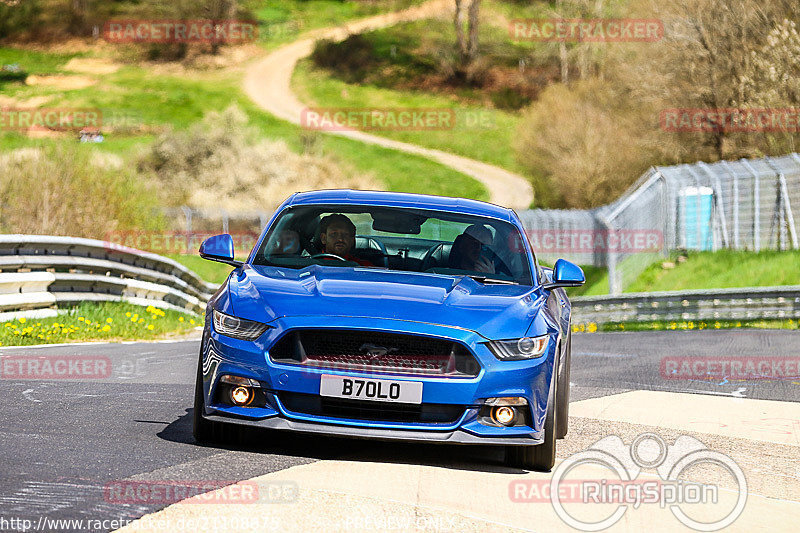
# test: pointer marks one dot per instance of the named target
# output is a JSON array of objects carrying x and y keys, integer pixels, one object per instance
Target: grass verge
[
  {"x": 99, "y": 321},
  {"x": 724, "y": 269},
  {"x": 210, "y": 271},
  {"x": 686, "y": 325}
]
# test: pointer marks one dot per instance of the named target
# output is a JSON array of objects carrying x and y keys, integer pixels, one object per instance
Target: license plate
[{"x": 379, "y": 390}]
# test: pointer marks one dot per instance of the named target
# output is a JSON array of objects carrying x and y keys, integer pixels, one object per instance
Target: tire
[
  {"x": 202, "y": 429},
  {"x": 540, "y": 457},
  {"x": 562, "y": 414}
]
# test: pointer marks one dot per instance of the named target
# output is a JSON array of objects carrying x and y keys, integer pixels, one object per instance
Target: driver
[
  {"x": 338, "y": 235},
  {"x": 466, "y": 253}
]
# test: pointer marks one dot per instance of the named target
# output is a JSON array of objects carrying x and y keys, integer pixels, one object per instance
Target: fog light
[
  {"x": 241, "y": 396},
  {"x": 236, "y": 380},
  {"x": 504, "y": 415}
]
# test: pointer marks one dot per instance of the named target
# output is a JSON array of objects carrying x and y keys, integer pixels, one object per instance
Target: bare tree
[
  {"x": 467, "y": 38},
  {"x": 705, "y": 58}
]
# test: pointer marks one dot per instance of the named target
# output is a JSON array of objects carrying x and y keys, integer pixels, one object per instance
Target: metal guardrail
[
  {"x": 752, "y": 303},
  {"x": 40, "y": 273}
]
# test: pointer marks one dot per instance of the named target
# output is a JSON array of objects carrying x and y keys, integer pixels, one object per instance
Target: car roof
[{"x": 402, "y": 199}]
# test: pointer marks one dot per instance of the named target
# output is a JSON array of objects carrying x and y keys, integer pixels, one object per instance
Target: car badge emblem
[{"x": 374, "y": 351}]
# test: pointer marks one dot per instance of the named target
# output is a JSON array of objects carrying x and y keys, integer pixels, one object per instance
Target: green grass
[
  {"x": 692, "y": 325},
  {"x": 98, "y": 321},
  {"x": 284, "y": 21},
  {"x": 161, "y": 101},
  {"x": 210, "y": 271},
  {"x": 724, "y": 269},
  {"x": 478, "y": 133},
  {"x": 721, "y": 270},
  {"x": 397, "y": 58},
  {"x": 596, "y": 282}
]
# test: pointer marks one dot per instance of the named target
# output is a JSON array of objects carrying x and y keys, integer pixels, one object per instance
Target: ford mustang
[{"x": 390, "y": 316}]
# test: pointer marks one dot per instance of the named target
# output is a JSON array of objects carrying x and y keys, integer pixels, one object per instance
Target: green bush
[
  {"x": 349, "y": 58},
  {"x": 74, "y": 191}
]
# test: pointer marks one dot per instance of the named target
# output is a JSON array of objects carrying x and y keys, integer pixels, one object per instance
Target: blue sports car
[{"x": 390, "y": 316}]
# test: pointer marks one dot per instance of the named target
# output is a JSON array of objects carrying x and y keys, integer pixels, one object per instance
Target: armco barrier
[
  {"x": 42, "y": 272},
  {"x": 752, "y": 303}
]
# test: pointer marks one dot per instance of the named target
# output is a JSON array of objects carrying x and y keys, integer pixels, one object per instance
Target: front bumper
[
  {"x": 528, "y": 379},
  {"x": 457, "y": 436}
]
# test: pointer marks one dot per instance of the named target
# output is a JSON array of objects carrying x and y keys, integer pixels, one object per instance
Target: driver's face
[
  {"x": 472, "y": 248},
  {"x": 338, "y": 239}
]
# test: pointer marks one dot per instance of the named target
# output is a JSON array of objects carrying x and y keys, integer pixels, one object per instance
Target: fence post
[
  {"x": 224, "y": 220},
  {"x": 611, "y": 258},
  {"x": 735, "y": 205},
  {"x": 756, "y": 205},
  {"x": 187, "y": 213},
  {"x": 786, "y": 205}
]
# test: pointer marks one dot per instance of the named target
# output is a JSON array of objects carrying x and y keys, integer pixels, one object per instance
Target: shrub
[
  {"x": 220, "y": 162},
  {"x": 349, "y": 58},
  {"x": 66, "y": 190},
  {"x": 587, "y": 144}
]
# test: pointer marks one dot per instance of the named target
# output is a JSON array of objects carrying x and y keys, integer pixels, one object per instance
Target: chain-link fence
[{"x": 741, "y": 205}]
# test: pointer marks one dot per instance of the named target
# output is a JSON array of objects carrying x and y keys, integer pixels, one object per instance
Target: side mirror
[
  {"x": 566, "y": 274},
  {"x": 219, "y": 248}
]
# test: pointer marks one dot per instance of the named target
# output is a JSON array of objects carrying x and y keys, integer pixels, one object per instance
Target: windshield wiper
[{"x": 493, "y": 281}]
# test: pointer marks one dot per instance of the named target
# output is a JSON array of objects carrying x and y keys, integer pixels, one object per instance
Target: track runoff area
[{"x": 669, "y": 431}]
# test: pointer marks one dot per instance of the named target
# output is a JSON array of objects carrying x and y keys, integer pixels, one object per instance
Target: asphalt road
[{"x": 65, "y": 442}]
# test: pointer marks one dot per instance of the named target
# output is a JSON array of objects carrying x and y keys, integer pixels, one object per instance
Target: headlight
[
  {"x": 516, "y": 349},
  {"x": 238, "y": 328}
]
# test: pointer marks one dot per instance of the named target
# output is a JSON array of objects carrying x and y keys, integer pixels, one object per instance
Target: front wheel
[
  {"x": 202, "y": 429},
  {"x": 540, "y": 457},
  {"x": 206, "y": 431},
  {"x": 562, "y": 414}
]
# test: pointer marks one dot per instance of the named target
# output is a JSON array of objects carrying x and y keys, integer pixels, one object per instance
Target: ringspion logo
[{"x": 610, "y": 473}]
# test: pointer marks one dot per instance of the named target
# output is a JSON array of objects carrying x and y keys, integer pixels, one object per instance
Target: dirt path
[{"x": 268, "y": 83}]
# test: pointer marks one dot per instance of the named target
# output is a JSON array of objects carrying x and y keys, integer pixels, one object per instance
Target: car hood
[{"x": 495, "y": 311}]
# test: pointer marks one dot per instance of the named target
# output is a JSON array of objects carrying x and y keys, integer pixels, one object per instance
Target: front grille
[
  {"x": 372, "y": 351},
  {"x": 312, "y": 404}
]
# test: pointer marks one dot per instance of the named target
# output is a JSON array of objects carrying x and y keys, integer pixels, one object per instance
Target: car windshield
[{"x": 405, "y": 239}]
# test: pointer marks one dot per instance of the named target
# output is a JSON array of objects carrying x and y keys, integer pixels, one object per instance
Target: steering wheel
[{"x": 315, "y": 256}]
